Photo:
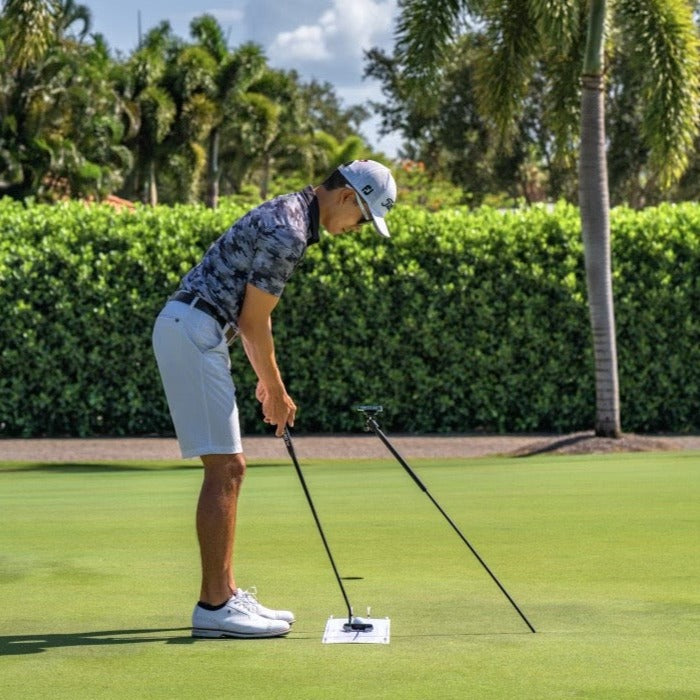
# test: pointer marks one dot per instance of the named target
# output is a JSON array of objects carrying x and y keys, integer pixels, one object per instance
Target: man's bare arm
[{"x": 255, "y": 326}]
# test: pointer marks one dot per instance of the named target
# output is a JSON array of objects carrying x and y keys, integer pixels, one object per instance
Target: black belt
[{"x": 209, "y": 309}]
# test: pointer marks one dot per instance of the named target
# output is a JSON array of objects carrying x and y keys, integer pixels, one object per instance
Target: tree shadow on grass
[
  {"x": 15, "y": 645},
  {"x": 588, "y": 443}
]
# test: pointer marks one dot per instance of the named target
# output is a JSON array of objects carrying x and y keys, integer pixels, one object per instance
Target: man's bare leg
[{"x": 216, "y": 524}]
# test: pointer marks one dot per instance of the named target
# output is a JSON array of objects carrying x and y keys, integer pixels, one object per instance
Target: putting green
[{"x": 99, "y": 572}]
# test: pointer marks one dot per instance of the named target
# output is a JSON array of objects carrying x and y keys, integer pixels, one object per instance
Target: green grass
[{"x": 99, "y": 572}]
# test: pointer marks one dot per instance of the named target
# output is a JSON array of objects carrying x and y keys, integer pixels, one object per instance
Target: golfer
[{"x": 231, "y": 293}]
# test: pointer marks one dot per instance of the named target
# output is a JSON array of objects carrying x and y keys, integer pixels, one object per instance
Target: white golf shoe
[
  {"x": 235, "y": 619},
  {"x": 250, "y": 600}
]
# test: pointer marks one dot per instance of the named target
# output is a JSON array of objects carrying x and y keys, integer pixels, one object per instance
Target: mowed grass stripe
[{"x": 99, "y": 572}]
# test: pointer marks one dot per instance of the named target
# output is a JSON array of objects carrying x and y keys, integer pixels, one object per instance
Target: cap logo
[
  {"x": 388, "y": 203},
  {"x": 367, "y": 189}
]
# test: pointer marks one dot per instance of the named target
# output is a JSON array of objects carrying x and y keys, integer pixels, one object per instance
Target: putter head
[{"x": 357, "y": 625}]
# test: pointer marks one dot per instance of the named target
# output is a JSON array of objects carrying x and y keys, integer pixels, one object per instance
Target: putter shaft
[
  {"x": 374, "y": 426},
  {"x": 290, "y": 448}
]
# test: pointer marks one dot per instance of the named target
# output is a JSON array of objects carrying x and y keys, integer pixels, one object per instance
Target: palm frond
[
  {"x": 351, "y": 149},
  {"x": 559, "y": 21},
  {"x": 31, "y": 29},
  {"x": 207, "y": 31},
  {"x": 424, "y": 31},
  {"x": 157, "y": 113},
  {"x": 196, "y": 71},
  {"x": 241, "y": 69},
  {"x": 505, "y": 63},
  {"x": 562, "y": 66},
  {"x": 666, "y": 53}
]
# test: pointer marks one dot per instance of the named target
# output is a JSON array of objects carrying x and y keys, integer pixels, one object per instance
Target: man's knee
[{"x": 224, "y": 468}]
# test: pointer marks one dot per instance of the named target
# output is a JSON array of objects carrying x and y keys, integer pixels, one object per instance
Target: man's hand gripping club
[{"x": 278, "y": 409}]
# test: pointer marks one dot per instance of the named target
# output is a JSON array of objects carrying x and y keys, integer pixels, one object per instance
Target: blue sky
[{"x": 322, "y": 39}]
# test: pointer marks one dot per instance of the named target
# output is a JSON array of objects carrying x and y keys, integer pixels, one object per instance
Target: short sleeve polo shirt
[{"x": 262, "y": 248}]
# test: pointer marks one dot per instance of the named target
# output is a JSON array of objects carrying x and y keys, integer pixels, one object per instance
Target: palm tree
[
  {"x": 28, "y": 29},
  {"x": 226, "y": 77},
  {"x": 150, "y": 106},
  {"x": 60, "y": 119},
  {"x": 595, "y": 226},
  {"x": 567, "y": 39},
  {"x": 26, "y": 32},
  {"x": 249, "y": 139},
  {"x": 279, "y": 130},
  {"x": 332, "y": 153},
  {"x": 87, "y": 129}
]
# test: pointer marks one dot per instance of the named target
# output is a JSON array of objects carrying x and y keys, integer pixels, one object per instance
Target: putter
[
  {"x": 351, "y": 625},
  {"x": 369, "y": 413}
]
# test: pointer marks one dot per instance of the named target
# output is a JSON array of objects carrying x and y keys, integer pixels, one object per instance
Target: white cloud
[
  {"x": 325, "y": 40},
  {"x": 305, "y": 43},
  {"x": 342, "y": 33}
]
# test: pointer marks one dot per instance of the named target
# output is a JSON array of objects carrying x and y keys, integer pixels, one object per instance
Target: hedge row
[{"x": 463, "y": 321}]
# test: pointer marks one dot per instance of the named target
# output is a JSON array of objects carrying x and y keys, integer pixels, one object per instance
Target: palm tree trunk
[
  {"x": 265, "y": 183},
  {"x": 152, "y": 185},
  {"x": 213, "y": 173},
  {"x": 595, "y": 225}
]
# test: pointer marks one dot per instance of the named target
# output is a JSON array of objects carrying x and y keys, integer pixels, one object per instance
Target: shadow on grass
[
  {"x": 92, "y": 468},
  {"x": 105, "y": 467},
  {"x": 458, "y": 635},
  {"x": 17, "y": 645},
  {"x": 36, "y": 643},
  {"x": 547, "y": 447}
]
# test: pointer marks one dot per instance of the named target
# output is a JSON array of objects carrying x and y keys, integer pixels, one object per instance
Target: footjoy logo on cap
[{"x": 367, "y": 189}]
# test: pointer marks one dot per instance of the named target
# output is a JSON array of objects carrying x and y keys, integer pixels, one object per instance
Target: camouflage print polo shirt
[{"x": 262, "y": 248}]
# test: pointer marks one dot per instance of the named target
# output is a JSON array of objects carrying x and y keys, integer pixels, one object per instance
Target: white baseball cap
[{"x": 375, "y": 184}]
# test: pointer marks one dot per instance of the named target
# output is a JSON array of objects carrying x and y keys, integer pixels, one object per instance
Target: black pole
[
  {"x": 290, "y": 448},
  {"x": 372, "y": 424}
]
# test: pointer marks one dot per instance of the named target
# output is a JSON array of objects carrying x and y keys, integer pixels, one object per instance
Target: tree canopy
[
  {"x": 174, "y": 121},
  {"x": 502, "y": 110},
  {"x": 185, "y": 120}
]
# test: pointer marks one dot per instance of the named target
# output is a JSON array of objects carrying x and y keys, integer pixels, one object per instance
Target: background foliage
[
  {"x": 184, "y": 120},
  {"x": 463, "y": 321},
  {"x": 174, "y": 121}
]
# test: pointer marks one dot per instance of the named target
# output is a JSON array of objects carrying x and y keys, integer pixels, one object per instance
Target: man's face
[{"x": 348, "y": 213}]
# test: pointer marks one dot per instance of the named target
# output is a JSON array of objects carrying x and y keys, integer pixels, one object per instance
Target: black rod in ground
[
  {"x": 290, "y": 448},
  {"x": 374, "y": 426}
]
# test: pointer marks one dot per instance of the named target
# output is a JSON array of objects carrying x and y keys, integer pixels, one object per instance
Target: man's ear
[
  {"x": 346, "y": 193},
  {"x": 339, "y": 196}
]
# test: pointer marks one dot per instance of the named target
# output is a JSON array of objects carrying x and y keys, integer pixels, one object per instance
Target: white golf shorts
[{"x": 195, "y": 366}]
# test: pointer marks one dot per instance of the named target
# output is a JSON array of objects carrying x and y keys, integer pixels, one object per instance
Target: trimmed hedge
[{"x": 463, "y": 321}]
